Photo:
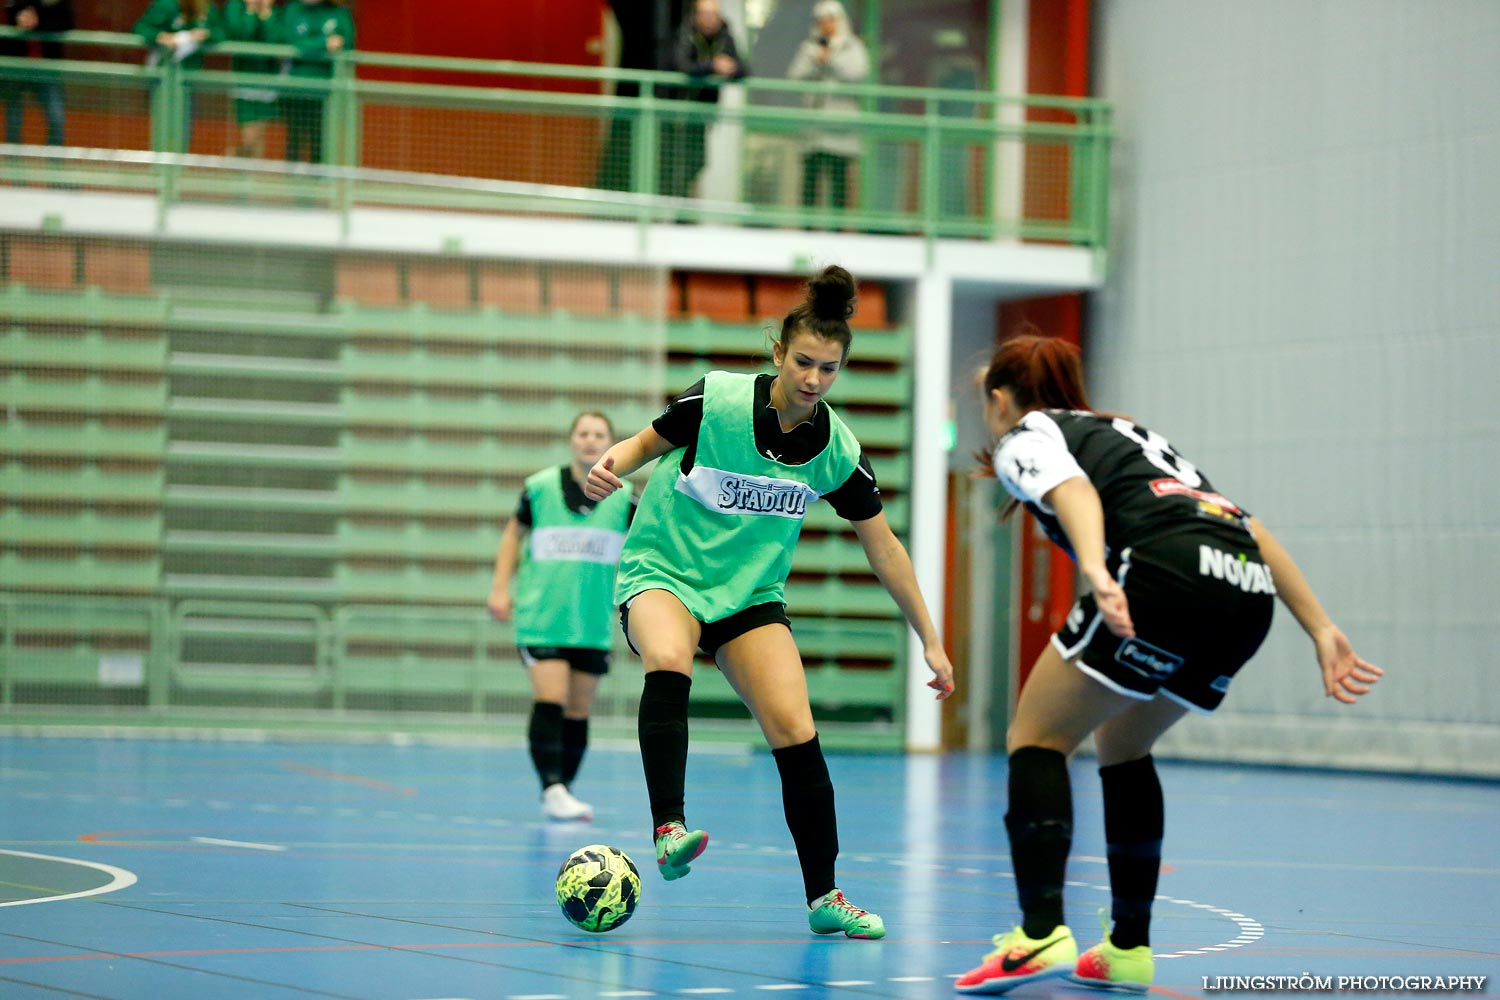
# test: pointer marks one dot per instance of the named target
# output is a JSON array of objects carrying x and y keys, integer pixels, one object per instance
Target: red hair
[{"x": 1041, "y": 373}]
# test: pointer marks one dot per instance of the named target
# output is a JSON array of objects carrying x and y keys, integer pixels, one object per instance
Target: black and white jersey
[{"x": 1146, "y": 488}]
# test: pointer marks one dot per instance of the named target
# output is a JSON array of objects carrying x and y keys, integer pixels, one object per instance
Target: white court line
[
  {"x": 851, "y": 982},
  {"x": 238, "y": 843},
  {"x": 119, "y": 878}
]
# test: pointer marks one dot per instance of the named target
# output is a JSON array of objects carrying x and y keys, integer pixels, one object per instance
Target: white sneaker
[{"x": 559, "y": 803}]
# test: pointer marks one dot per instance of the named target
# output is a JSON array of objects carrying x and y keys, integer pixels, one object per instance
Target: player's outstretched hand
[
  {"x": 1109, "y": 598},
  {"x": 1345, "y": 675},
  {"x": 602, "y": 480},
  {"x": 942, "y": 672}
]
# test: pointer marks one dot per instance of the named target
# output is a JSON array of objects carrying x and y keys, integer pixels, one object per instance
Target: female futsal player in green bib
[
  {"x": 562, "y": 605},
  {"x": 706, "y": 562}
]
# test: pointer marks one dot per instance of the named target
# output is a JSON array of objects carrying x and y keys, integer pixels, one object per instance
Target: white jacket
[{"x": 847, "y": 62}]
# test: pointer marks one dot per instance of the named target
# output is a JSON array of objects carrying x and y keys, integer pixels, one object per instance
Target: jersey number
[{"x": 1159, "y": 453}]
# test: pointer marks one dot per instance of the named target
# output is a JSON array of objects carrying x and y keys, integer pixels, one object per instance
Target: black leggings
[
  {"x": 837, "y": 169},
  {"x": 304, "y": 128}
]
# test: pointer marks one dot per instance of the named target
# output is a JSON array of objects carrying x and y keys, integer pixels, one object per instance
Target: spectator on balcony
[
  {"x": 41, "y": 16},
  {"x": 319, "y": 30},
  {"x": 255, "y": 106},
  {"x": 705, "y": 49},
  {"x": 832, "y": 53},
  {"x": 178, "y": 31}
]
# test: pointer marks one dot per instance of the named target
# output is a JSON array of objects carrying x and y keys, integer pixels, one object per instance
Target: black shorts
[
  {"x": 1201, "y": 605},
  {"x": 717, "y": 633},
  {"x": 585, "y": 661}
]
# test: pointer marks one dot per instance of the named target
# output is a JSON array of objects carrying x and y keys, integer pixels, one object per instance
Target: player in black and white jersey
[{"x": 1183, "y": 584}]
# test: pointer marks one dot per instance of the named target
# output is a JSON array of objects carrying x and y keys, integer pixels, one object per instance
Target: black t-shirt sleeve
[
  {"x": 523, "y": 510},
  {"x": 859, "y": 498},
  {"x": 683, "y": 416}
]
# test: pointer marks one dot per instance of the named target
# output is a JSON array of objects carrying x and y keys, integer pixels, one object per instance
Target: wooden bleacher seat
[
  {"x": 583, "y": 291},
  {"x": 510, "y": 287},
  {"x": 439, "y": 284},
  {"x": 117, "y": 267},
  {"x": 46, "y": 262},
  {"x": 370, "y": 281},
  {"x": 776, "y": 294},
  {"x": 723, "y": 298},
  {"x": 644, "y": 293}
]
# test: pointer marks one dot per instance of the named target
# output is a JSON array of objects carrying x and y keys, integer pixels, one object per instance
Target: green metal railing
[{"x": 584, "y": 141}]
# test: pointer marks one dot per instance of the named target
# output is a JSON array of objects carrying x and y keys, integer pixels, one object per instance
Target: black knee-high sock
[
  {"x": 545, "y": 734},
  {"x": 1040, "y": 823},
  {"x": 807, "y": 798},
  {"x": 663, "y": 730},
  {"x": 575, "y": 740},
  {"x": 1134, "y": 818}
]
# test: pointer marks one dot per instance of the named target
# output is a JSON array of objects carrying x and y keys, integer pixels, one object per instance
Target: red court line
[
  {"x": 367, "y": 947},
  {"x": 1172, "y": 993},
  {"x": 353, "y": 779}
]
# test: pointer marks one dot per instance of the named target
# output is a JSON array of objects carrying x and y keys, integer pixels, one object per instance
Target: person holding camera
[{"x": 831, "y": 53}]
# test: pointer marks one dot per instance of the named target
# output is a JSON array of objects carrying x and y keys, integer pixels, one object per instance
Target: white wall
[{"x": 1305, "y": 298}]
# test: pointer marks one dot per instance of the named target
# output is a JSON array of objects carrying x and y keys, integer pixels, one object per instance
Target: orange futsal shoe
[{"x": 1019, "y": 959}]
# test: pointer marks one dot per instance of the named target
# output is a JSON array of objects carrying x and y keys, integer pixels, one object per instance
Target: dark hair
[
  {"x": 592, "y": 413},
  {"x": 825, "y": 311}
]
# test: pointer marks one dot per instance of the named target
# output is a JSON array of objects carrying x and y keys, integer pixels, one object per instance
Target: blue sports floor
[{"x": 270, "y": 871}]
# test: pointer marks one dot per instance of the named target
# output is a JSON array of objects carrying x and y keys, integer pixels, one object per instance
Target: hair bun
[{"x": 831, "y": 294}]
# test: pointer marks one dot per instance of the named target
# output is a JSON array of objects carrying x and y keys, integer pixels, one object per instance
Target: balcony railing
[{"x": 434, "y": 132}]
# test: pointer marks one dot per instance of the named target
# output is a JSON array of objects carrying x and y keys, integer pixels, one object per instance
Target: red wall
[
  {"x": 1057, "y": 65},
  {"x": 555, "y": 31},
  {"x": 527, "y": 30},
  {"x": 557, "y": 149}
]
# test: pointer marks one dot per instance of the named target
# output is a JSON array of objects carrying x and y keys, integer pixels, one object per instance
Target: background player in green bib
[
  {"x": 563, "y": 603},
  {"x": 705, "y": 567}
]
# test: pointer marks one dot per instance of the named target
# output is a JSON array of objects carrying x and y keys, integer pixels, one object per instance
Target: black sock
[
  {"x": 807, "y": 798},
  {"x": 1134, "y": 818},
  {"x": 663, "y": 730},
  {"x": 575, "y": 740},
  {"x": 545, "y": 734},
  {"x": 1040, "y": 824}
]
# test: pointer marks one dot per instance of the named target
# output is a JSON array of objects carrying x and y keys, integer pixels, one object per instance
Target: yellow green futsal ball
[{"x": 598, "y": 887}]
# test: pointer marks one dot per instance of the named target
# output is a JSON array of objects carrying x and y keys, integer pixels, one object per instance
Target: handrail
[
  {"x": 929, "y": 160},
  {"x": 598, "y": 74}
]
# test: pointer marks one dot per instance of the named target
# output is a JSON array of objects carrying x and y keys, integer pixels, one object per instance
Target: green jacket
[
  {"x": 308, "y": 26},
  {"x": 166, "y": 15},
  {"x": 242, "y": 26}
]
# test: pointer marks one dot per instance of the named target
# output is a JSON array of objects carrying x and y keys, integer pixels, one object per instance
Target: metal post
[
  {"x": 645, "y": 146},
  {"x": 932, "y": 170},
  {"x": 929, "y": 494}
]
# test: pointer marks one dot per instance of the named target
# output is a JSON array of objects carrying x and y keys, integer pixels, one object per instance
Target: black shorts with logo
[
  {"x": 585, "y": 661},
  {"x": 1201, "y": 604},
  {"x": 730, "y": 627}
]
